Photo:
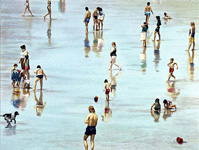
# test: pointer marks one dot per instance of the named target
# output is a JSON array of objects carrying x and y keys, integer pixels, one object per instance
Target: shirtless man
[
  {"x": 148, "y": 11},
  {"x": 91, "y": 120},
  {"x": 39, "y": 77},
  {"x": 171, "y": 66},
  {"x": 87, "y": 18},
  {"x": 95, "y": 17}
]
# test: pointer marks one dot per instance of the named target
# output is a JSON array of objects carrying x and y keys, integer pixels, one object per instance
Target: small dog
[{"x": 10, "y": 117}]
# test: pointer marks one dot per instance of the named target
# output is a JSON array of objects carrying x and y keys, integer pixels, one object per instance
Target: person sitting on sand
[
  {"x": 169, "y": 105},
  {"x": 156, "y": 106},
  {"x": 39, "y": 77}
]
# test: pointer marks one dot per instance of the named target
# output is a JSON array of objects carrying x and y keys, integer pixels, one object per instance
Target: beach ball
[
  {"x": 96, "y": 99},
  {"x": 179, "y": 140}
]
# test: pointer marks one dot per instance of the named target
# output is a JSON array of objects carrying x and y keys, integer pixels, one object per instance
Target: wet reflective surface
[{"x": 77, "y": 64}]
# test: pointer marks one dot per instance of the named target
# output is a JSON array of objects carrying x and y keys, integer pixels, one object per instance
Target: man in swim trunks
[
  {"x": 87, "y": 18},
  {"x": 171, "y": 66},
  {"x": 39, "y": 77},
  {"x": 147, "y": 11},
  {"x": 91, "y": 120},
  {"x": 95, "y": 17}
]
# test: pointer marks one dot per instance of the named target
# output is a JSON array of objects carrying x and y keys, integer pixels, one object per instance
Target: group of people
[{"x": 98, "y": 18}]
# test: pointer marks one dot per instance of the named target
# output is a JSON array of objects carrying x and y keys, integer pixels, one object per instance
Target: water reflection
[
  {"x": 98, "y": 42},
  {"x": 149, "y": 35},
  {"x": 86, "y": 45},
  {"x": 39, "y": 103},
  {"x": 10, "y": 130},
  {"x": 168, "y": 113},
  {"x": 156, "y": 115},
  {"x": 113, "y": 80},
  {"x": 107, "y": 112},
  {"x": 172, "y": 90},
  {"x": 143, "y": 60},
  {"x": 190, "y": 65},
  {"x": 62, "y": 6},
  {"x": 49, "y": 32},
  {"x": 157, "y": 55}
]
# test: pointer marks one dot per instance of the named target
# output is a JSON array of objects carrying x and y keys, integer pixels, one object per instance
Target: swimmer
[
  {"x": 39, "y": 77},
  {"x": 166, "y": 16},
  {"x": 192, "y": 36},
  {"x": 49, "y": 10},
  {"x": 113, "y": 56},
  {"x": 169, "y": 105},
  {"x": 171, "y": 66},
  {"x": 156, "y": 106},
  {"x": 95, "y": 19},
  {"x": 27, "y": 7},
  {"x": 107, "y": 89},
  {"x": 157, "y": 29},
  {"x": 87, "y": 18},
  {"x": 91, "y": 120},
  {"x": 147, "y": 12},
  {"x": 144, "y": 33},
  {"x": 15, "y": 76}
]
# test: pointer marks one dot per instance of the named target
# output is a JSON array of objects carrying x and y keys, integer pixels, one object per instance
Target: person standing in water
[
  {"x": 87, "y": 18},
  {"x": 49, "y": 10},
  {"x": 101, "y": 17},
  {"x": 39, "y": 77},
  {"x": 95, "y": 19},
  {"x": 113, "y": 56},
  {"x": 91, "y": 120},
  {"x": 171, "y": 66},
  {"x": 27, "y": 66},
  {"x": 144, "y": 33},
  {"x": 192, "y": 36},
  {"x": 107, "y": 89},
  {"x": 27, "y": 7},
  {"x": 148, "y": 11},
  {"x": 157, "y": 29},
  {"x": 15, "y": 76},
  {"x": 23, "y": 54}
]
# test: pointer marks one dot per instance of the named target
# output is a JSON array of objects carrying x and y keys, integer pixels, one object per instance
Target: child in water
[
  {"x": 107, "y": 89},
  {"x": 169, "y": 105},
  {"x": 171, "y": 66},
  {"x": 156, "y": 106},
  {"x": 166, "y": 16},
  {"x": 15, "y": 76}
]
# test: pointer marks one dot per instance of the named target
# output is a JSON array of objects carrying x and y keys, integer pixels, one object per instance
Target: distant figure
[
  {"x": 166, "y": 16},
  {"x": 101, "y": 17},
  {"x": 49, "y": 9},
  {"x": 144, "y": 33},
  {"x": 157, "y": 29},
  {"x": 169, "y": 105},
  {"x": 113, "y": 56},
  {"x": 27, "y": 7},
  {"x": 95, "y": 19},
  {"x": 39, "y": 77},
  {"x": 91, "y": 120},
  {"x": 107, "y": 89},
  {"x": 192, "y": 36},
  {"x": 87, "y": 18},
  {"x": 23, "y": 54},
  {"x": 147, "y": 12},
  {"x": 171, "y": 66},
  {"x": 15, "y": 76},
  {"x": 156, "y": 106}
]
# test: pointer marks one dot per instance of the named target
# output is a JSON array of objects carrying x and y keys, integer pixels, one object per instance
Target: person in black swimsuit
[
  {"x": 157, "y": 29},
  {"x": 95, "y": 16},
  {"x": 113, "y": 56},
  {"x": 39, "y": 77}
]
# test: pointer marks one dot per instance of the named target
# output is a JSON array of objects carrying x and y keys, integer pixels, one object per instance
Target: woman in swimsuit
[
  {"x": 157, "y": 29},
  {"x": 147, "y": 11},
  {"x": 156, "y": 106},
  {"x": 144, "y": 33},
  {"x": 192, "y": 36},
  {"x": 113, "y": 56},
  {"x": 39, "y": 77},
  {"x": 27, "y": 7},
  {"x": 49, "y": 9},
  {"x": 95, "y": 17},
  {"x": 171, "y": 66},
  {"x": 23, "y": 54}
]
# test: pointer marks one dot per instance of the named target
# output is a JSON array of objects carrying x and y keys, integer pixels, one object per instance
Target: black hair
[
  {"x": 26, "y": 56},
  {"x": 165, "y": 13},
  {"x": 148, "y": 3},
  {"x": 99, "y": 8},
  {"x": 105, "y": 81},
  {"x": 39, "y": 66},
  {"x": 157, "y": 100},
  {"x": 86, "y": 8},
  {"x": 165, "y": 101},
  {"x": 23, "y": 47},
  {"x": 15, "y": 65},
  {"x": 172, "y": 59},
  {"x": 158, "y": 17}
]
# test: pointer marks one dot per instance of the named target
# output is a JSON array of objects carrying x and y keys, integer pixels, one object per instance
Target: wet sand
[{"x": 74, "y": 80}]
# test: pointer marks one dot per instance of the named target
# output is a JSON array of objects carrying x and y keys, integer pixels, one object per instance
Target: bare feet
[
  {"x": 33, "y": 89},
  {"x": 22, "y": 15}
]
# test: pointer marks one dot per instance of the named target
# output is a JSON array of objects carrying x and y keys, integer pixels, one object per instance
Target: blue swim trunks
[
  {"x": 148, "y": 13},
  {"x": 87, "y": 20}
]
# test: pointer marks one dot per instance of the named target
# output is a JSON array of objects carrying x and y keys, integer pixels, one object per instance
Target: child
[
  {"x": 107, "y": 89},
  {"x": 15, "y": 76},
  {"x": 144, "y": 33},
  {"x": 192, "y": 36},
  {"x": 27, "y": 66},
  {"x": 49, "y": 9},
  {"x": 27, "y": 7},
  {"x": 156, "y": 106},
  {"x": 26, "y": 82},
  {"x": 157, "y": 29},
  {"x": 39, "y": 77},
  {"x": 171, "y": 66},
  {"x": 169, "y": 105},
  {"x": 166, "y": 16}
]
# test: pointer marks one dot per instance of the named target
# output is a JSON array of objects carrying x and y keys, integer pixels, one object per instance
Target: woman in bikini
[
  {"x": 27, "y": 7},
  {"x": 192, "y": 36},
  {"x": 39, "y": 77},
  {"x": 49, "y": 9}
]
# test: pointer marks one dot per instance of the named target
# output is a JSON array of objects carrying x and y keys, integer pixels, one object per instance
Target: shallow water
[{"x": 76, "y": 73}]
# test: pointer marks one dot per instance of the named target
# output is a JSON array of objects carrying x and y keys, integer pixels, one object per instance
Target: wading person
[
  {"x": 23, "y": 54},
  {"x": 91, "y": 120},
  {"x": 144, "y": 33},
  {"x": 192, "y": 36},
  {"x": 157, "y": 29},
  {"x": 113, "y": 56},
  {"x": 95, "y": 19},
  {"x": 15, "y": 76},
  {"x": 49, "y": 9},
  {"x": 147, "y": 12},
  {"x": 107, "y": 88},
  {"x": 171, "y": 66},
  {"x": 39, "y": 77},
  {"x": 27, "y": 7},
  {"x": 101, "y": 17},
  {"x": 87, "y": 18}
]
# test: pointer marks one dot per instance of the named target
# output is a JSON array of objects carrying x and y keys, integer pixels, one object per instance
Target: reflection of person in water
[
  {"x": 39, "y": 103},
  {"x": 113, "y": 82},
  {"x": 168, "y": 113},
  {"x": 172, "y": 90},
  {"x": 190, "y": 65},
  {"x": 107, "y": 112},
  {"x": 155, "y": 115},
  {"x": 16, "y": 100},
  {"x": 157, "y": 55},
  {"x": 24, "y": 98},
  {"x": 61, "y": 6},
  {"x": 100, "y": 42},
  {"x": 86, "y": 45},
  {"x": 96, "y": 37},
  {"x": 143, "y": 60},
  {"x": 49, "y": 32}
]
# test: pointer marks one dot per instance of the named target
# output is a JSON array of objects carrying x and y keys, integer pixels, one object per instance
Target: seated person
[
  {"x": 169, "y": 105},
  {"x": 156, "y": 106},
  {"x": 166, "y": 16}
]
